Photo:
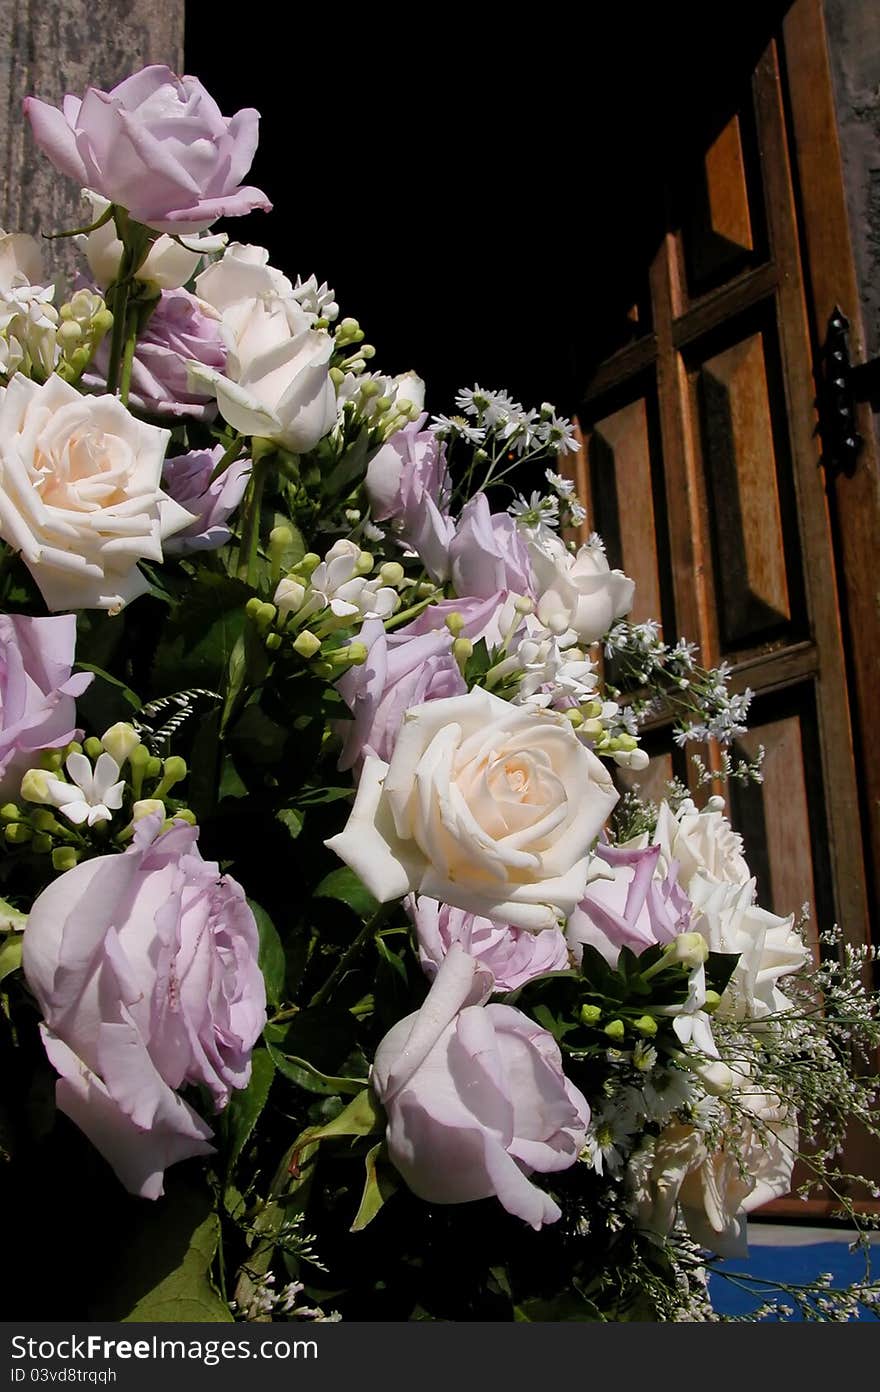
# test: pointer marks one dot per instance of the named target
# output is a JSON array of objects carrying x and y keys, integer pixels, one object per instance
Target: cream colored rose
[
  {"x": 768, "y": 946},
  {"x": 578, "y": 591},
  {"x": 277, "y": 382},
  {"x": 485, "y": 806},
  {"x": 701, "y": 842},
  {"x": 716, "y": 1189},
  {"x": 80, "y": 493}
]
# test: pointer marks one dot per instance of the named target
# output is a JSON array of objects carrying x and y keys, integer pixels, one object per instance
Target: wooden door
[{"x": 700, "y": 466}]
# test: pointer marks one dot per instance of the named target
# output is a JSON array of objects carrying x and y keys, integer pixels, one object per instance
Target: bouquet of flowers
[{"x": 327, "y": 925}]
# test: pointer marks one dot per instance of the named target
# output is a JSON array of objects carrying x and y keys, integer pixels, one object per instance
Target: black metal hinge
[{"x": 841, "y": 387}]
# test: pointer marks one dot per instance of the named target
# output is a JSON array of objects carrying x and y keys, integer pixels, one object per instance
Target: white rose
[
  {"x": 716, "y": 1189},
  {"x": 489, "y": 807},
  {"x": 768, "y": 946},
  {"x": 701, "y": 842},
  {"x": 169, "y": 264},
  {"x": 578, "y": 590},
  {"x": 80, "y": 493},
  {"x": 277, "y": 383}
]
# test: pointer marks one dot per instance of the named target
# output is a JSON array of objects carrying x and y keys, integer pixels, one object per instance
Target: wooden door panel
[{"x": 722, "y": 221}]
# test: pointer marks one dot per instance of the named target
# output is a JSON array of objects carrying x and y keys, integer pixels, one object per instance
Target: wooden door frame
[{"x": 831, "y": 280}]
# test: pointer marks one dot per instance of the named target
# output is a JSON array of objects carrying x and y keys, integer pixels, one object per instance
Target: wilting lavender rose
[
  {"x": 187, "y": 479},
  {"x": 157, "y": 145},
  {"x": 512, "y": 955},
  {"x": 37, "y": 692},
  {"x": 476, "y": 1098},
  {"x": 488, "y": 553},
  {"x": 145, "y": 967},
  {"x": 626, "y": 905},
  {"x": 407, "y": 483},
  {"x": 182, "y": 329},
  {"x": 401, "y": 671}
]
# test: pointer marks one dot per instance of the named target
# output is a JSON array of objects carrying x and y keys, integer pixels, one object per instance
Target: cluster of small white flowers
[
  {"x": 28, "y": 330},
  {"x": 266, "y": 1301},
  {"x": 573, "y": 512},
  {"x": 709, "y": 710},
  {"x": 520, "y": 430},
  {"x": 316, "y": 299},
  {"x": 373, "y": 398},
  {"x": 341, "y": 583},
  {"x": 535, "y": 513},
  {"x": 551, "y": 674}
]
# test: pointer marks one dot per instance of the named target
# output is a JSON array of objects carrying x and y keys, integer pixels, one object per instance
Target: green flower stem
[
  {"x": 127, "y": 363},
  {"x": 351, "y": 955},
  {"x": 250, "y": 531},
  {"x": 119, "y": 295},
  {"x": 411, "y": 613},
  {"x": 232, "y": 452}
]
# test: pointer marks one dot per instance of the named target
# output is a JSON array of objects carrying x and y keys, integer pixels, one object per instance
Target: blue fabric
[{"x": 796, "y": 1265}]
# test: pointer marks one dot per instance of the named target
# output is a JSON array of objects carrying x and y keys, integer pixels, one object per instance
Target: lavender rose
[
  {"x": 408, "y": 484},
  {"x": 488, "y": 553},
  {"x": 628, "y": 905},
  {"x": 181, "y": 330},
  {"x": 187, "y": 479},
  {"x": 512, "y": 955},
  {"x": 37, "y": 692},
  {"x": 400, "y": 672},
  {"x": 476, "y": 1098},
  {"x": 145, "y": 967},
  {"x": 157, "y": 145}
]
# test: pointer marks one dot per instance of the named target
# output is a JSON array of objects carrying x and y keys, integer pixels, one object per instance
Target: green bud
[
  {"x": 35, "y": 785},
  {"x": 712, "y": 1002},
  {"x": 253, "y": 607},
  {"x": 153, "y": 767},
  {"x": 615, "y": 1029},
  {"x": 593, "y": 729},
  {"x": 365, "y": 562},
  {"x": 69, "y": 333},
  {"x": 44, "y": 820},
  {"x": 120, "y": 740},
  {"x": 280, "y": 537},
  {"x": 273, "y": 641},
  {"x": 391, "y": 573},
  {"x": 523, "y": 605},
  {"x": 369, "y": 389},
  {"x": 325, "y": 670},
  {"x": 93, "y": 747},
  {"x": 309, "y": 562},
  {"x": 185, "y": 814},
  {"x": 574, "y": 717},
  {"x": 51, "y": 760},
  {"x": 689, "y": 950},
  {"x": 455, "y": 622},
  {"x": 17, "y": 834},
  {"x": 173, "y": 772},
  {"x": 627, "y": 742},
  {"x": 590, "y": 1014},
  {"x": 306, "y": 644},
  {"x": 337, "y": 376},
  {"x": 10, "y": 813},
  {"x": 42, "y": 843},
  {"x": 462, "y": 651},
  {"x": 263, "y": 615},
  {"x": 646, "y": 1026},
  {"x": 592, "y": 709},
  {"x": 146, "y": 807},
  {"x": 64, "y": 858}
]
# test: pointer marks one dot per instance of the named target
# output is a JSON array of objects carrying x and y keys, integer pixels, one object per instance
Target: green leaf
[
  {"x": 163, "y": 1276},
  {"x": 10, "y": 955},
  {"x": 271, "y": 959},
  {"x": 245, "y": 1106},
  {"x": 307, "y": 1076},
  {"x": 379, "y": 1185},
  {"x": 345, "y": 886},
  {"x": 131, "y": 697},
  {"x": 363, "y": 1116},
  {"x": 720, "y": 967},
  {"x": 351, "y": 465},
  {"x": 201, "y": 633},
  {"x": 292, "y": 820},
  {"x": 11, "y": 918}
]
